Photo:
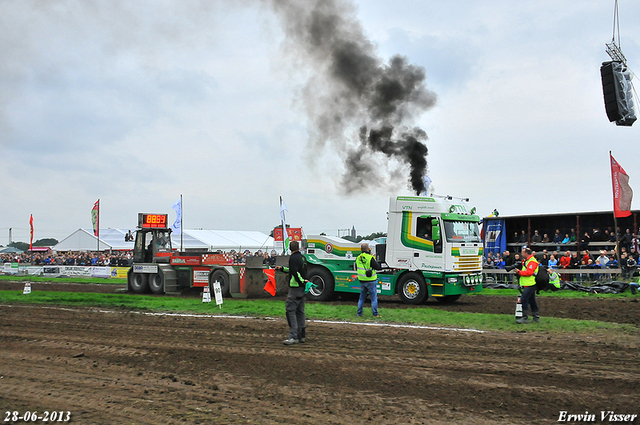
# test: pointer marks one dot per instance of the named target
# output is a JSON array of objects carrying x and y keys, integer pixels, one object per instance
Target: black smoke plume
[{"x": 351, "y": 88}]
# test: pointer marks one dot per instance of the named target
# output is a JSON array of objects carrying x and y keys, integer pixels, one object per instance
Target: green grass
[
  {"x": 485, "y": 291},
  {"x": 109, "y": 281},
  {"x": 415, "y": 315}
]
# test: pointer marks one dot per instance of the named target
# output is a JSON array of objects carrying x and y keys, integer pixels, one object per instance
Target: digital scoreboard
[{"x": 152, "y": 221}]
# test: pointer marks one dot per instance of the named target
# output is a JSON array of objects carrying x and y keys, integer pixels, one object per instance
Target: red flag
[
  {"x": 95, "y": 218},
  {"x": 270, "y": 286},
  {"x": 31, "y": 224},
  {"x": 622, "y": 193}
]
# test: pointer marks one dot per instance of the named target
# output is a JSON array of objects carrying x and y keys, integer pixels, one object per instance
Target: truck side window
[{"x": 423, "y": 228}]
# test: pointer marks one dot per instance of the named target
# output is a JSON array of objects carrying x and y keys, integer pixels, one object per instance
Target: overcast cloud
[{"x": 135, "y": 103}]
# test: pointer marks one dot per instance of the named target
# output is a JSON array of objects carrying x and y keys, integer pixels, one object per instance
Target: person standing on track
[
  {"x": 528, "y": 283},
  {"x": 294, "y": 306},
  {"x": 366, "y": 266}
]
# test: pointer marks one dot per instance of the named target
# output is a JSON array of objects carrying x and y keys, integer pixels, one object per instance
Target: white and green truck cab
[{"x": 433, "y": 248}]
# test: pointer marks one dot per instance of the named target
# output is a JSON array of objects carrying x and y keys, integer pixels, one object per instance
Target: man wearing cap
[{"x": 366, "y": 266}]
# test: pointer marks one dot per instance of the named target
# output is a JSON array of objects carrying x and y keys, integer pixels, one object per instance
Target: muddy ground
[{"x": 122, "y": 367}]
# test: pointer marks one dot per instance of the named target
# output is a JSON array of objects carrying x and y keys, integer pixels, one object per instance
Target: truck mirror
[{"x": 435, "y": 229}]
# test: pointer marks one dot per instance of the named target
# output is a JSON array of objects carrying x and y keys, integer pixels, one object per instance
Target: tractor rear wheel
[{"x": 222, "y": 277}]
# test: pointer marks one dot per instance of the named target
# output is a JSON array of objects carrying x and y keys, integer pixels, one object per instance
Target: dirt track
[{"x": 116, "y": 367}]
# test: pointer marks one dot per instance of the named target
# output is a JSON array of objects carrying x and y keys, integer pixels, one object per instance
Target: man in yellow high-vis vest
[
  {"x": 528, "y": 283},
  {"x": 366, "y": 266}
]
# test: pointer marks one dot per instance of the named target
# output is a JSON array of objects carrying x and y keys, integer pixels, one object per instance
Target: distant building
[{"x": 353, "y": 232}]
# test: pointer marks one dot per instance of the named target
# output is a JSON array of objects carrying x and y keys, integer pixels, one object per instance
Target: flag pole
[
  {"x": 98, "y": 227},
  {"x": 615, "y": 219},
  {"x": 181, "y": 223}
]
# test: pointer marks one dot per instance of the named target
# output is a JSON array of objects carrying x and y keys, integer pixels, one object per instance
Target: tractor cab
[{"x": 153, "y": 239}]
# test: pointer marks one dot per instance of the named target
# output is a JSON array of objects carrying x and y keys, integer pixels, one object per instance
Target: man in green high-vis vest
[{"x": 294, "y": 306}]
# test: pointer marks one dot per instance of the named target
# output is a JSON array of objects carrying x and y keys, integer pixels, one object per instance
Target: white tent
[
  {"x": 226, "y": 240},
  {"x": 212, "y": 240},
  {"x": 85, "y": 240}
]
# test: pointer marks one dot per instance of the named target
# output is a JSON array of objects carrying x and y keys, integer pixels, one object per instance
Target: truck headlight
[{"x": 453, "y": 279}]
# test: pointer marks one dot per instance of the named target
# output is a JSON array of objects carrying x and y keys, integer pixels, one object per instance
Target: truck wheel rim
[
  {"x": 319, "y": 289},
  {"x": 411, "y": 290}
]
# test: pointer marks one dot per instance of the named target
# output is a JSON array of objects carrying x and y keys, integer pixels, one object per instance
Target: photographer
[
  {"x": 366, "y": 266},
  {"x": 528, "y": 284}
]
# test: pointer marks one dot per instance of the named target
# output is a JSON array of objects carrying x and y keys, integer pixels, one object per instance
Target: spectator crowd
[
  {"x": 116, "y": 259},
  {"x": 582, "y": 258}
]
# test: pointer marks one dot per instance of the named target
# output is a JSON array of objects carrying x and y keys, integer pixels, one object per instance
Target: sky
[{"x": 137, "y": 103}]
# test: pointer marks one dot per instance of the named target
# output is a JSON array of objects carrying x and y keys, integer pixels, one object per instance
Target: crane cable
[
  {"x": 616, "y": 24},
  {"x": 613, "y": 48}
]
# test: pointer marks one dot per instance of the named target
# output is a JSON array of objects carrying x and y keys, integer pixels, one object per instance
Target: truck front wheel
[
  {"x": 325, "y": 284},
  {"x": 412, "y": 288},
  {"x": 140, "y": 283}
]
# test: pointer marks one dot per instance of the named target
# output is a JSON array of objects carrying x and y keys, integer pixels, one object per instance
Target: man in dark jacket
[
  {"x": 294, "y": 306},
  {"x": 509, "y": 261}
]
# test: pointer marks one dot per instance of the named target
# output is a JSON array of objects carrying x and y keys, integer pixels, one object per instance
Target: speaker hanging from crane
[{"x": 616, "y": 81}]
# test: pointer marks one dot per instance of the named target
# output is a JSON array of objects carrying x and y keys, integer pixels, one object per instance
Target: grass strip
[
  {"x": 485, "y": 291},
  {"x": 415, "y": 315},
  {"x": 99, "y": 280}
]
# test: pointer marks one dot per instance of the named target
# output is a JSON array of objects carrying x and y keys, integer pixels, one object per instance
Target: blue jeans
[
  {"x": 634, "y": 286},
  {"x": 529, "y": 299},
  {"x": 368, "y": 288}
]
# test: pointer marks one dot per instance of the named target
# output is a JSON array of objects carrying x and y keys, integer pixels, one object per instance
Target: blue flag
[{"x": 177, "y": 225}]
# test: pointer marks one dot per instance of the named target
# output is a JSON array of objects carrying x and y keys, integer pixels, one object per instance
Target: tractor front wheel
[
  {"x": 156, "y": 283},
  {"x": 140, "y": 283}
]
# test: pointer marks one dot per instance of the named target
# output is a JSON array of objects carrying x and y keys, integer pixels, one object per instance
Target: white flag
[
  {"x": 177, "y": 225},
  {"x": 427, "y": 183},
  {"x": 285, "y": 234}
]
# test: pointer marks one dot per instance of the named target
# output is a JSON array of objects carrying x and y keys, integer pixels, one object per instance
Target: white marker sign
[
  {"x": 206, "y": 295},
  {"x": 218, "y": 291}
]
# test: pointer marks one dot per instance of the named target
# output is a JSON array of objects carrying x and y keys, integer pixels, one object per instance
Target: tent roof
[
  {"x": 85, "y": 240},
  {"x": 227, "y": 240},
  {"x": 113, "y": 239},
  {"x": 10, "y": 250}
]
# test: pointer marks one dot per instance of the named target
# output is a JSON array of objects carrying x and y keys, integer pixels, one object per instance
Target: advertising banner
[
  {"x": 119, "y": 272},
  {"x": 101, "y": 272},
  {"x": 295, "y": 234},
  {"x": 76, "y": 271},
  {"x": 495, "y": 238},
  {"x": 11, "y": 268},
  {"x": 51, "y": 270}
]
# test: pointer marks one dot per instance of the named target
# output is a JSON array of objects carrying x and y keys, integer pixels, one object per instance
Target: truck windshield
[{"x": 461, "y": 231}]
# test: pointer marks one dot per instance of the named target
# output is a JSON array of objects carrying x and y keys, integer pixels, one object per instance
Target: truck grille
[{"x": 467, "y": 264}]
